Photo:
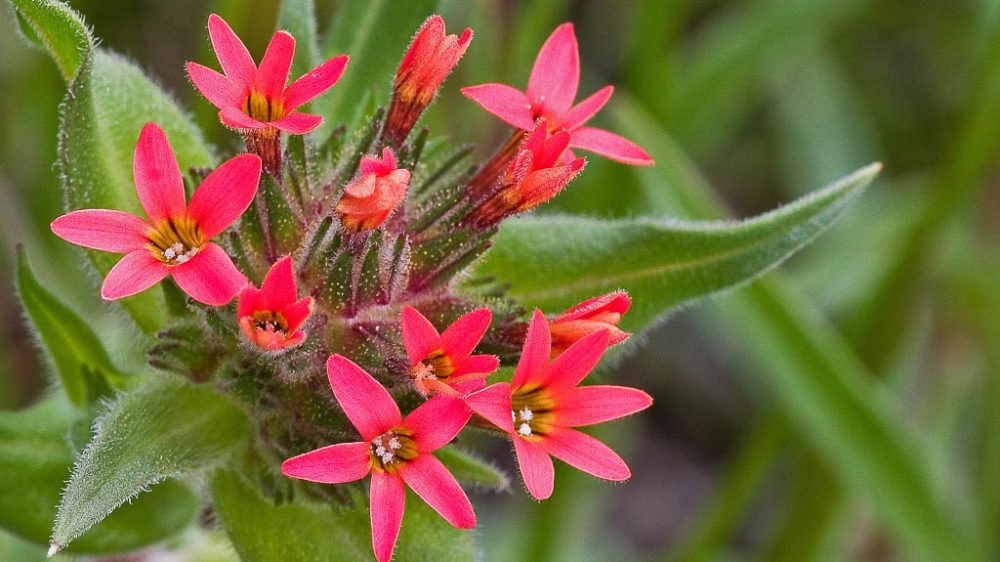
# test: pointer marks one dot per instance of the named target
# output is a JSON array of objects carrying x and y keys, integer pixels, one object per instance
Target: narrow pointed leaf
[
  {"x": 555, "y": 262},
  {"x": 470, "y": 470},
  {"x": 76, "y": 354},
  {"x": 164, "y": 429},
  {"x": 35, "y": 462}
]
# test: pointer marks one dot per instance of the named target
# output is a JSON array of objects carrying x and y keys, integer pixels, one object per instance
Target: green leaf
[
  {"x": 375, "y": 34},
  {"x": 35, "y": 462},
  {"x": 164, "y": 429},
  {"x": 471, "y": 470},
  {"x": 57, "y": 28},
  {"x": 75, "y": 352},
  {"x": 555, "y": 262},
  {"x": 304, "y": 532}
]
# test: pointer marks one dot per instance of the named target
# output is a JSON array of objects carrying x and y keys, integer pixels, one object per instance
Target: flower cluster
[{"x": 356, "y": 255}]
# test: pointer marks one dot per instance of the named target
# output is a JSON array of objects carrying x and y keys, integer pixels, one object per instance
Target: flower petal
[
  {"x": 210, "y": 277},
  {"x": 249, "y": 301},
  {"x": 388, "y": 497},
  {"x": 459, "y": 339},
  {"x": 482, "y": 364},
  {"x": 235, "y": 118},
  {"x": 157, "y": 175},
  {"x": 572, "y": 365},
  {"x": 536, "y": 468},
  {"x": 102, "y": 229},
  {"x": 314, "y": 82},
  {"x": 587, "y": 405},
  {"x": 535, "y": 354},
  {"x": 419, "y": 336},
  {"x": 493, "y": 403},
  {"x": 429, "y": 478},
  {"x": 225, "y": 194},
  {"x": 232, "y": 53},
  {"x": 610, "y": 145},
  {"x": 298, "y": 123},
  {"x": 506, "y": 102},
  {"x": 216, "y": 88},
  {"x": 343, "y": 462},
  {"x": 583, "y": 111},
  {"x": 365, "y": 402},
  {"x": 278, "y": 289},
  {"x": 134, "y": 273},
  {"x": 555, "y": 76},
  {"x": 436, "y": 422},
  {"x": 297, "y": 312},
  {"x": 586, "y": 453},
  {"x": 274, "y": 66}
]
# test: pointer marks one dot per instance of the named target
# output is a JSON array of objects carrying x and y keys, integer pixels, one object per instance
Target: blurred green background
[{"x": 745, "y": 105}]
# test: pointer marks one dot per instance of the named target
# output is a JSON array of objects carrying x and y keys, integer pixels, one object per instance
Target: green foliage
[
  {"x": 555, "y": 262},
  {"x": 471, "y": 470},
  {"x": 35, "y": 461},
  {"x": 375, "y": 35},
  {"x": 164, "y": 429},
  {"x": 298, "y": 17},
  {"x": 77, "y": 355},
  {"x": 58, "y": 29},
  {"x": 304, "y": 532}
]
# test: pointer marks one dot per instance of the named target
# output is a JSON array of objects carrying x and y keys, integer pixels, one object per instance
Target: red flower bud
[
  {"x": 370, "y": 199},
  {"x": 599, "y": 313}
]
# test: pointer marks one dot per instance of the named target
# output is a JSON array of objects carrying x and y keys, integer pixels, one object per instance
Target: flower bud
[
  {"x": 372, "y": 197},
  {"x": 599, "y": 313}
]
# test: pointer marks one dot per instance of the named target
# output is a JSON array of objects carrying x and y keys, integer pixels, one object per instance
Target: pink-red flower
[
  {"x": 429, "y": 60},
  {"x": 443, "y": 363},
  {"x": 552, "y": 87},
  {"x": 370, "y": 199},
  {"x": 537, "y": 173},
  {"x": 252, "y": 97},
  {"x": 592, "y": 315},
  {"x": 175, "y": 240},
  {"x": 393, "y": 449},
  {"x": 541, "y": 405},
  {"x": 270, "y": 317}
]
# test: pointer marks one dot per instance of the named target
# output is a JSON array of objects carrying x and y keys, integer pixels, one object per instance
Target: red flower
[
  {"x": 394, "y": 450},
  {"x": 442, "y": 363},
  {"x": 270, "y": 316},
  {"x": 176, "y": 239},
  {"x": 592, "y": 315},
  {"x": 543, "y": 402},
  {"x": 370, "y": 199},
  {"x": 251, "y": 97},
  {"x": 537, "y": 173},
  {"x": 551, "y": 90},
  {"x": 430, "y": 58}
]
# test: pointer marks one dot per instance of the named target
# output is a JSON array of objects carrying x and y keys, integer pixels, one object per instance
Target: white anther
[
  {"x": 183, "y": 258},
  {"x": 169, "y": 253},
  {"x": 394, "y": 444},
  {"x": 387, "y": 458},
  {"x": 524, "y": 429},
  {"x": 526, "y": 414},
  {"x": 380, "y": 450}
]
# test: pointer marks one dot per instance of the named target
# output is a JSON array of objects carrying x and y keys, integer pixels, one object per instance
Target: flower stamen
[
  {"x": 531, "y": 412},
  {"x": 392, "y": 449},
  {"x": 175, "y": 241}
]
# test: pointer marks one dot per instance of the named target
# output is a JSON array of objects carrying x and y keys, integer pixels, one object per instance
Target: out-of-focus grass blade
[
  {"x": 298, "y": 17},
  {"x": 656, "y": 28},
  {"x": 721, "y": 67},
  {"x": 824, "y": 389}
]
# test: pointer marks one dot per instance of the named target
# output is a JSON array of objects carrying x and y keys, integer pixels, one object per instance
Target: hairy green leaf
[
  {"x": 35, "y": 461},
  {"x": 164, "y": 429},
  {"x": 58, "y": 29},
  {"x": 375, "y": 34},
  {"x": 75, "y": 352},
  {"x": 471, "y": 470},
  {"x": 555, "y": 262},
  {"x": 305, "y": 532}
]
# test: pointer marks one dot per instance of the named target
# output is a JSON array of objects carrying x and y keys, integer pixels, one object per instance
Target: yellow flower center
[
  {"x": 435, "y": 367},
  {"x": 175, "y": 241},
  {"x": 258, "y": 106},
  {"x": 269, "y": 321},
  {"x": 531, "y": 411},
  {"x": 392, "y": 449}
]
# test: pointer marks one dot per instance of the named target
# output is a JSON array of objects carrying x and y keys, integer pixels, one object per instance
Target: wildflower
[
  {"x": 537, "y": 173},
  {"x": 394, "y": 450},
  {"x": 270, "y": 316},
  {"x": 176, "y": 238},
  {"x": 370, "y": 199},
  {"x": 254, "y": 99},
  {"x": 430, "y": 58},
  {"x": 541, "y": 405},
  {"x": 552, "y": 87},
  {"x": 599, "y": 313},
  {"x": 443, "y": 363}
]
